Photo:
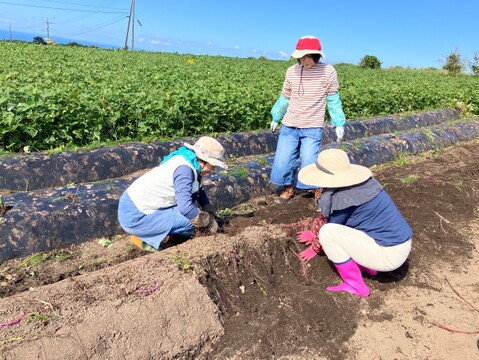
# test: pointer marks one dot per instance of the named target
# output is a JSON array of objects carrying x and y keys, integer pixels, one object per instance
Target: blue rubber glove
[
  {"x": 335, "y": 108},
  {"x": 277, "y": 112}
]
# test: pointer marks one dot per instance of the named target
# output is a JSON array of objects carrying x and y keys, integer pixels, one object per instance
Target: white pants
[{"x": 342, "y": 242}]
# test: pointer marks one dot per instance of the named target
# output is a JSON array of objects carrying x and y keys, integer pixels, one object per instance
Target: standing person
[
  {"x": 162, "y": 201},
  {"x": 365, "y": 230},
  {"x": 308, "y": 87}
]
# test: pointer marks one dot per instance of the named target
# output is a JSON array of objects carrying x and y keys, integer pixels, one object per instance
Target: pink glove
[
  {"x": 306, "y": 237},
  {"x": 307, "y": 254}
]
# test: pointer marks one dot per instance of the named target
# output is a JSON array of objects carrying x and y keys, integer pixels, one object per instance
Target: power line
[
  {"x": 77, "y": 4},
  {"x": 101, "y": 26},
  {"x": 82, "y": 17},
  {"x": 63, "y": 9}
]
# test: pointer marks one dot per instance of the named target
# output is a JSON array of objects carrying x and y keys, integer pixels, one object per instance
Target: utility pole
[
  {"x": 10, "y": 30},
  {"x": 131, "y": 20},
  {"x": 48, "y": 29},
  {"x": 128, "y": 27},
  {"x": 133, "y": 25}
]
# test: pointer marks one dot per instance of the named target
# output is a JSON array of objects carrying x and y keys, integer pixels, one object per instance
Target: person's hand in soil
[
  {"x": 306, "y": 237},
  {"x": 307, "y": 254},
  {"x": 213, "y": 227}
]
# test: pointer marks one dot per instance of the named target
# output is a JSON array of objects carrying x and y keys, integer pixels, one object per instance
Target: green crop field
[{"x": 58, "y": 97}]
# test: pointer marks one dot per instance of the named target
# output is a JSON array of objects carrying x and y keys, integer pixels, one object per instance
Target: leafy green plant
[
  {"x": 239, "y": 172},
  {"x": 262, "y": 161},
  {"x": 182, "y": 261},
  {"x": 57, "y": 98},
  {"x": 106, "y": 243}
]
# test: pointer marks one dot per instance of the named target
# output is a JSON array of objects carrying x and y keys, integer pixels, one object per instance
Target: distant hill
[{"x": 28, "y": 37}]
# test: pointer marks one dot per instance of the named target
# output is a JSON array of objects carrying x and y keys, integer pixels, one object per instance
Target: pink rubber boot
[
  {"x": 353, "y": 280},
  {"x": 368, "y": 270}
]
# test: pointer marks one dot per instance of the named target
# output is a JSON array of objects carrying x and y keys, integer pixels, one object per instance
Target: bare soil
[{"x": 244, "y": 294}]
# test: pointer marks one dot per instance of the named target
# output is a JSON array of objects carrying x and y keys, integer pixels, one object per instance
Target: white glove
[
  {"x": 274, "y": 125},
  {"x": 339, "y": 133}
]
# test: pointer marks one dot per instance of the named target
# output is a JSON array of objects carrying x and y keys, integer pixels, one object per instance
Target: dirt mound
[{"x": 245, "y": 295}]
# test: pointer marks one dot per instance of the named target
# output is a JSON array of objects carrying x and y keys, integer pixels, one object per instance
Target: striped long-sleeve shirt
[{"x": 307, "y": 90}]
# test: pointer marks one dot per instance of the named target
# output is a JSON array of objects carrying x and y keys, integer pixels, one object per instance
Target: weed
[
  {"x": 63, "y": 255},
  {"x": 182, "y": 262},
  {"x": 34, "y": 260},
  {"x": 110, "y": 187},
  {"x": 262, "y": 289},
  {"x": 459, "y": 185},
  {"x": 262, "y": 161},
  {"x": 409, "y": 179},
  {"x": 4, "y": 207},
  {"x": 34, "y": 316},
  {"x": 13, "y": 339},
  {"x": 240, "y": 172},
  {"x": 106, "y": 243},
  {"x": 401, "y": 159},
  {"x": 225, "y": 213},
  {"x": 430, "y": 137},
  {"x": 262, "y": 222}
]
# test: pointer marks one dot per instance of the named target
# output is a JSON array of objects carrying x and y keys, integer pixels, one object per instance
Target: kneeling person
[
  {"x": 365, "y": 230},
  {"x": 162, "y": 201}
]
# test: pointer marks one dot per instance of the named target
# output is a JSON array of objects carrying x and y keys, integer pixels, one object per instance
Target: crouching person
[
  {"x": 365, "y": 230},
  {"x": 161, "y": 203}
]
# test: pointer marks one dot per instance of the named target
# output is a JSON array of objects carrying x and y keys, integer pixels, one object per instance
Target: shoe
[
  {"x": 286, "y": 195},
  {"x": 140, "y": 244}
]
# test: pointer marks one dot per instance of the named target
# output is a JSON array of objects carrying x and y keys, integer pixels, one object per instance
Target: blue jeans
[{"x": 295, "y": 146}]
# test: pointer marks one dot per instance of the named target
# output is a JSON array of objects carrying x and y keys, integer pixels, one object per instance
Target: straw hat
[
  {"x": 209, "y": 150},
  {"x": 307, "y": 45},
  {"x": 333, "y": 170}
]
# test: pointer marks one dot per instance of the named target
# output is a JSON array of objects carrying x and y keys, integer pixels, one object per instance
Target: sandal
[{"x": 286, "y": 195}]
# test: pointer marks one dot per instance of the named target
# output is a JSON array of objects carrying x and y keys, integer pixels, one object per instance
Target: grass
[
  {"x": 239, "y": 172},
  {"x": 42, "y": 257},
  {"x": 409, "y": 179}
]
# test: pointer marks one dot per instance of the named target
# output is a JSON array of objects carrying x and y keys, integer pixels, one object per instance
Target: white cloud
[
  {"x": 283, "y": 54},
  {"x": 160, "y": 42}
]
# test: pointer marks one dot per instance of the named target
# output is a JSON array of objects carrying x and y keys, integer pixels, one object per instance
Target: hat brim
[
  {"x": 311, "y": 175},
  {"x": 297, "y": 54},
  {"x": 204, "y": 157}
]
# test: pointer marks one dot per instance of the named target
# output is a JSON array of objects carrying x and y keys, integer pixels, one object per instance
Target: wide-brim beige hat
[
  {"x": 209, "y": 150},
  {"x": 307, "y": 45},
  {"x": 332, "y": 169}
]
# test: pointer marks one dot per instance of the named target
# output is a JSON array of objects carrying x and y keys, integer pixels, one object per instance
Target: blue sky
[{"x": 417, "y": 33}]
